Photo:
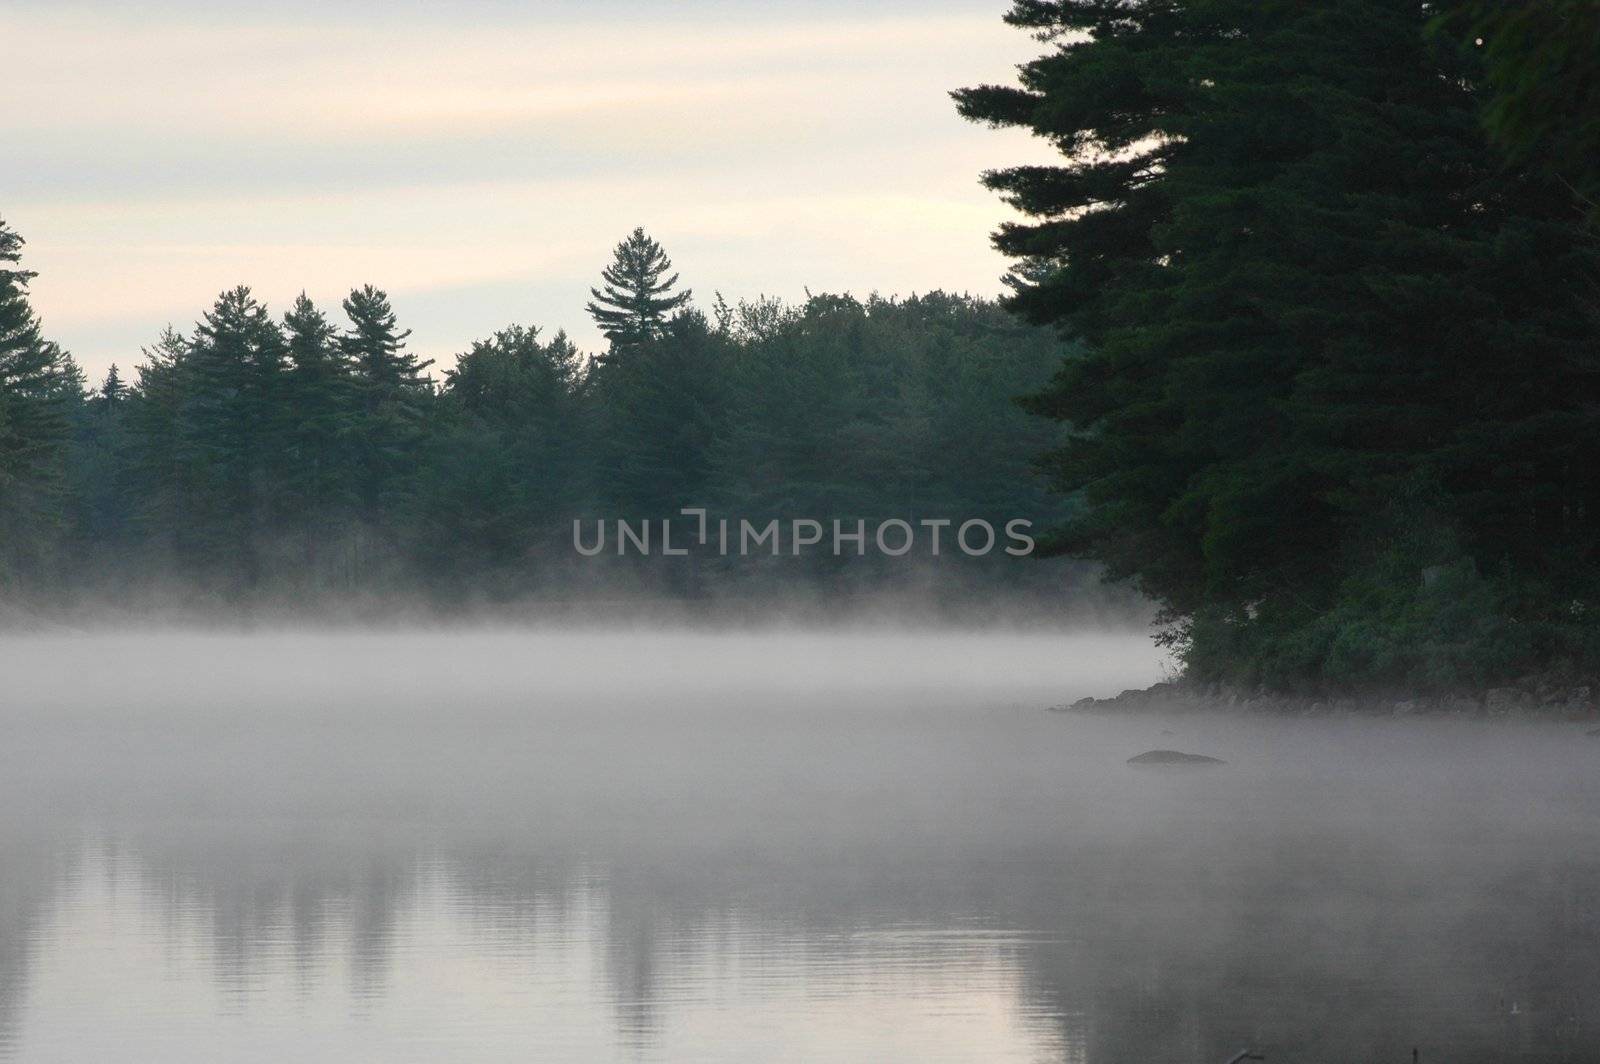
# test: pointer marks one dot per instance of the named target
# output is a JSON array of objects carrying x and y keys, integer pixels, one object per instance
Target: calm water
[{"x": 762, "y": 847}]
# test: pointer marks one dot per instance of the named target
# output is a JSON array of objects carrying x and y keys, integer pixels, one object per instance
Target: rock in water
[{"x": 1173, "y": 757}]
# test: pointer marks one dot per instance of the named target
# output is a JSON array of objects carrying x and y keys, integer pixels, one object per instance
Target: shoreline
[{"x": 1531, "y": 698}]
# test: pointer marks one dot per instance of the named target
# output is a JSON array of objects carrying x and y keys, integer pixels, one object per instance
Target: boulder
[{"x": 1173, "y": 757}]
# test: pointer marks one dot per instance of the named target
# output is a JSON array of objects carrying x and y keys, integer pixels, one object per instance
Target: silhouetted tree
[
  {"x": 233, "y": 429},
  {"x": 392, "y": 403},
  {"x": 160, "y": 467},
  {"x": 1307, "y": 289},
  {"x": 638, "y": 296},
  {"x": 112, "y": 390},
  {"x": 39, "y": 385},
  {"x": 323, "y": 433}
]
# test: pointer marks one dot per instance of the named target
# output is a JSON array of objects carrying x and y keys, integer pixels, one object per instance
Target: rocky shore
[{"x": 1533, "y": 697}]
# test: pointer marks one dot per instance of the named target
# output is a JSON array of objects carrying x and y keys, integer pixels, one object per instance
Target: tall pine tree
[
  {"x": 39, "y": 387},
  {"x": 158, "y": 468},
  {"x": 323, "y": 430},
  {"x": 1310, "y": 293},
  {"x": 232, "y": 429},
  {"x": 392, "y": 403},
  {"x": 638, "y": 298}
]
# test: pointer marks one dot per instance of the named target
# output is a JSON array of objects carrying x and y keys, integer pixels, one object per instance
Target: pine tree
[
  {"x": 638, "y": 296},
  {"x": 233, "y": 434},
  {"x": 159, "y": 469},
  {"x": 39, "y": 386},
  {"x": 1307, "y": 288},
  {"x": 392, "y": 398},
  {"x": 112, "y": 390},
  {"x": 377, "y": 347},
  {"x": 323, "y": 425}
]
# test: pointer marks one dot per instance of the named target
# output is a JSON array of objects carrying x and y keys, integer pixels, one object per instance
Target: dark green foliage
[
  {"x": 39, "y": 388},
  {"x": 113, "y": 392},
  {"x": 322, "y": 435},
  {"x": 638, "y": 298},
  {"x": 508, "y": 468},
  {"x": 154, "y": 458},
  {"x": 233, "y": 416},
  {"x": 1304, "y": 282},
  {"x": 1542, "y": 67},
  {"x": 884, "y": 408},
  {"x": 284, "y": 458},
  {"x": 805, "y": 439},
  {"x": 323, "y": 415},
  {"x": 657, "y": 415},
  {"x": 392, "y": 400},
  {"x": 101, "y": 488}
]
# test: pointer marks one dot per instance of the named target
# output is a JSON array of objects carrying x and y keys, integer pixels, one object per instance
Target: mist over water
[{"x": 774, "y": 844}]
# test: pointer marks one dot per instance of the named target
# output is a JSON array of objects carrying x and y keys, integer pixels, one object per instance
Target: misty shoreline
[
  {"x": 909, "y": 612},
  {"x": 1551, "y": 697},
  {"x": 1543, "y": 697}
]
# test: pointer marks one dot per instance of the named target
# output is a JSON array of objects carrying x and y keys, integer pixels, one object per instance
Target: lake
[{"x": 762, "y": 845}]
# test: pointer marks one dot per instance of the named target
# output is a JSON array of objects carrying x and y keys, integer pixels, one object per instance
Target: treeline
[
  {"x": 1332, "y": 267},
  {"x": 314, "y": 453}
]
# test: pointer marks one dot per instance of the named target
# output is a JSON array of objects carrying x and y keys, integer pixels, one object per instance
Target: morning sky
[{"x": 479, "y": 160}]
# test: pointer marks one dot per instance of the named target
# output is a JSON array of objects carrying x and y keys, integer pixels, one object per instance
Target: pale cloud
[
  {"x": 368, "y": 82},
  {"x": 490, "y": 164}
]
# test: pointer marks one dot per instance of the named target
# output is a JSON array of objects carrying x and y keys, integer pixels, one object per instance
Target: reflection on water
[
  {"x": 514, "y": 847},
  {"x": 415, "y": 965}
]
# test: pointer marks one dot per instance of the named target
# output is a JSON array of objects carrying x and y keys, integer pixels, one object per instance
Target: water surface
[{"x": 780, "y": 846}]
